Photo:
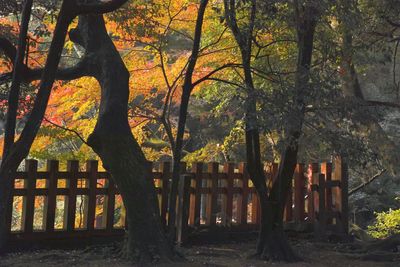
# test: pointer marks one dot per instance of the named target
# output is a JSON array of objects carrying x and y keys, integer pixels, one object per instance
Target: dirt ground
[{"x": 227, "y": 254}]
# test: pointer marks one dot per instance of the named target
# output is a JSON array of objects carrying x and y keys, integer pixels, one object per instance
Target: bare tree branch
[
  {"x": 67, "y": 129},
  {"x": 361, "y": 186}
]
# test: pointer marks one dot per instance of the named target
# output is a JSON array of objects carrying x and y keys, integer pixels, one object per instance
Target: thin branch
[
  {"x": 226, "y": 82},
  {"x": 361, "y": 186},
  {"x": 396, "y": 84},
  {"x": 67, "y": 129},
  {"x": 216, "y": 41},
  {"x": 211, "y": 73}
]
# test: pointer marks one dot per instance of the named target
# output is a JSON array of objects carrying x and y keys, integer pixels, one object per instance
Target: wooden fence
[{"x": 56, "y": 204}]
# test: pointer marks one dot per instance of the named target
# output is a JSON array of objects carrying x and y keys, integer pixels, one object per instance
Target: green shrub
[{"x": 387, "y": 224}]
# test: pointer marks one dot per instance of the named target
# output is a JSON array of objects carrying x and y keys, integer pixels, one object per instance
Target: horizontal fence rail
[{"x": 56, "y": 204}]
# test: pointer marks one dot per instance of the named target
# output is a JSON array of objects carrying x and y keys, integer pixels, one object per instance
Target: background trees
[{"x": 267, "y": 80}]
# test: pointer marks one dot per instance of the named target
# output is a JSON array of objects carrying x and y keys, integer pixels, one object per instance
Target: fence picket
[
  {"x": 92, "y": 170},
  {"x": 299, "y": 184},
  {"x": 245, "y": 193},
  {"x": 72, "y": 168},
  {"x": 213, "y": 169},
  {"x": 31, "y": 169},
  {"x": 197, "y": 169},
  {"x": 52, "y": 168},
  {"x": 229, "y": 169}
]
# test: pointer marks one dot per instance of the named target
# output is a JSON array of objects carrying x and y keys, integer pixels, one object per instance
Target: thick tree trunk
[
  {"x": 272, "y": 243},
  {"x": 113, "y": 141},
  {"x": 5, "y": 209}
]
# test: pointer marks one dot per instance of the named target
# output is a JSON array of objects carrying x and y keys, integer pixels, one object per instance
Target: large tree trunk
[
  {"x": 15, "y": 152},
  {"x": 113, "y": 141},
  {"x": 272, "y": 242}
]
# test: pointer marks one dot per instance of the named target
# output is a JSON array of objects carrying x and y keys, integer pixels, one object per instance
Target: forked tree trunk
[
  {"x": 273, "y": 242},
  {"x": 113, "y": 141}
]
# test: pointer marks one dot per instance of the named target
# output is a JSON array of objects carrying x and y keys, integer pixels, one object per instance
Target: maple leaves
[{"x": 154, "y": 40}]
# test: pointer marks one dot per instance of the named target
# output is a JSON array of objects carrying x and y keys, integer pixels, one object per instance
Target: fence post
[
  {"x": 212, "y": 203},
  {"x": 11, "y": 205},
  {"x": 52, "y": 168},
  {"x": 72, "y": 168},
  {"x": 344, "y": 181},
  {"x": 299, "y": 193},
  {"x": 245, "y": 193},
  {"x": 92, "y": 170},
  {"x": 326, "y": 169},
  {"x": 312, "y": 194},
  {"x": 166, "y": 174},
  {"x": 197, "y": 170},
  {"x": 320, "y": 223},
  {"x": 229, "y": 170},
  {"x": 31, "y": 169},
  {"x": 183, "y": 208}
]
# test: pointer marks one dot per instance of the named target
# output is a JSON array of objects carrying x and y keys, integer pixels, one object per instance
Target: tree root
[
  {"x": 276, "y": 248},
  {"x": 148, "y": 255}
]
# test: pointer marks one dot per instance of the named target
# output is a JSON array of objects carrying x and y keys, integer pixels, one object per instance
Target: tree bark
[{"x": 113, "y": 141}]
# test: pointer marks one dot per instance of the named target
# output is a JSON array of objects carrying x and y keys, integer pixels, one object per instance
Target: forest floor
[{"x": 224, "y": 254}]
